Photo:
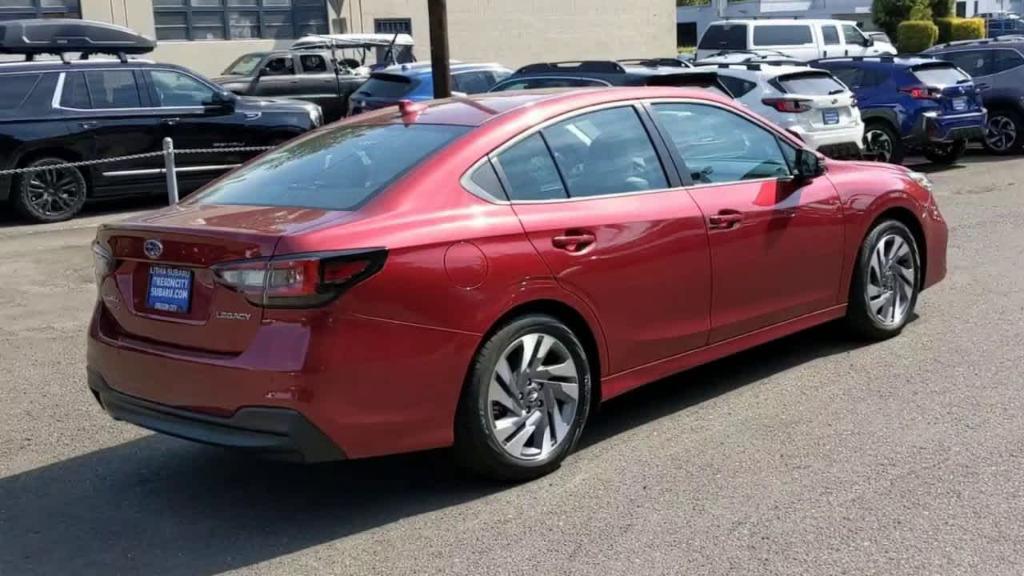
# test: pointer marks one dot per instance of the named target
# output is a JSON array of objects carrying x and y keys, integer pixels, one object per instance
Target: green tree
[
  {"x": 942, "y": 8},
  {"x": 887, "y": 14}
]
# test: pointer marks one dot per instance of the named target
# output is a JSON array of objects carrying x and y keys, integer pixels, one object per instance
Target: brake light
[
  {"x": 300, "y": 281},
  {"x": 102, "y": 263},
  {"x": 921, "y": 92},
  {"x": 788, "y": 104}
]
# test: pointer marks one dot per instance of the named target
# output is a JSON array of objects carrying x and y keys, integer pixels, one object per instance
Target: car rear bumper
[
  {"x": 945, "y": 129},
  {"x": 276, "y": 432}
]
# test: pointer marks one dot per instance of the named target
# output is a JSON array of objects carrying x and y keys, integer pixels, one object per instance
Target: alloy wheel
[
  {"x": 1001, "y": 133},
  {"x": 533, "y": 396},
  {"x": 892, "y": 280},
  {"x": 54, "y": 192},
  {"x": 879, "y": 143}
]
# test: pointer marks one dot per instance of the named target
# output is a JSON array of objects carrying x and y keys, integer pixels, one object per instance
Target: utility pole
[{"x": 437, "y": 13}]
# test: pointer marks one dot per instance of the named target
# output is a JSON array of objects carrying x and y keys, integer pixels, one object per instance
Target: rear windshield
[
  {"x": 724, "y": 37},
  {"x": 386, "y": 86},
  {"x": 337, "y": 169},
  {"x": 796, "y": 35},
  {"x": 811, "y": 84},
  {"x": 940, "y": 74}
]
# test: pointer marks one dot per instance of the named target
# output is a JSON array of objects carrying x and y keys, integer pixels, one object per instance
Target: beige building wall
[{"x": 512, "y": 32}]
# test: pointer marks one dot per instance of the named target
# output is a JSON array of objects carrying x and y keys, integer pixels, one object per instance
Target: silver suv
[{"x": 997, "y": 67}]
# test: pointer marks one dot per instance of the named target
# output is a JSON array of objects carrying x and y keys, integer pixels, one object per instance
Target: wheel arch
[
  {"x": 904, "y": 216},
  {"x": 21, "y": 158}
]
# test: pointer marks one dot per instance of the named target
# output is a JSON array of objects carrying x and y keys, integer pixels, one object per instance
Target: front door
[
  {"x": 318, "y": 82},
  {"x": 615, "y": 229},
  {"x": 277, "y": 77},
  {"x": 776, "y": 245}
]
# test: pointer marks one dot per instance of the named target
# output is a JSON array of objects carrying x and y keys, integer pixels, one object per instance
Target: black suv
[
  {"x": 997, "y": 67},
  {"x": 636, "y": 72},
  {"x": 55, "y": 112}
]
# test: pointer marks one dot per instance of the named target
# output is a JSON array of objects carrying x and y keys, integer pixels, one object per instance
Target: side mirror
[
  {"x": 869, "y": 41},
  {"x": 808, "y": 165},
  {"x": 224, "y": 100}
]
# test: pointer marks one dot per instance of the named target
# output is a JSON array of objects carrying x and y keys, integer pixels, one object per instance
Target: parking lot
[{"x": 812, "y": 455}]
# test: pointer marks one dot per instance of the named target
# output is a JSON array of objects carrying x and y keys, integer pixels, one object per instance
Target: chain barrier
[{"x": 129, "y": 157}]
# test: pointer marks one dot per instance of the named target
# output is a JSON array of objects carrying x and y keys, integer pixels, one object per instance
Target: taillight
[
  {"x": 922, "y": 92},
  {"x": 788, "y": 104},
  {"x": 102, "y": 263},
  {"x": 299, "y": 281}
]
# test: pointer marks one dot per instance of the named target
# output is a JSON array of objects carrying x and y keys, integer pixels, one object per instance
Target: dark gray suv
[{"x": 997, "y": 67}]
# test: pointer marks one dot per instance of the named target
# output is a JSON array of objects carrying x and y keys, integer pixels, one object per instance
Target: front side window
[
  {"x": 719, "y": 146},
  {"x": 338, "y": 169},
  {"x": 110, "y": 89},
  {"x": 724, "y": 37},
  {"x": 174, "y": 89},
  {"x": 530, "y": 172},
  {"x": 830, "y": 35},
  {"x": 605, "y": 152},
  {"x": 279, "y": 66},
  {"x": 852, "y": 35},
  {"x": 237, "y": 19},
  {"x": 535, "y": 83},
  {"x": 245, "y": 65},
  {"x": 796, "y": 35}
]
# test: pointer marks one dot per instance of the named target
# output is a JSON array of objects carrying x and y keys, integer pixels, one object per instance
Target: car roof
[
  {"x": 612, "y": 72},
  {"x": 880, "y": 61},
  {"x": 478, "y": 109},
  {"x": 783, "y": 21},
  {"x": 55, "y": 65},
  {"x": 1010, "y": 41},
  {"x": 763, "y": 70}
]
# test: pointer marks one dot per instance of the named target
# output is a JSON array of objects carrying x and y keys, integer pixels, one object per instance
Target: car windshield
[
  {"x": 337, "y": 169},
  {"x": 940, "y": 75},
  {"x": 244, "y": 66},
  {"x": 811, "y": 84}
]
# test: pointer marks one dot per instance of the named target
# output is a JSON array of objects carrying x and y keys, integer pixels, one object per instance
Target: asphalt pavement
[{"x": 813, "y": 455}]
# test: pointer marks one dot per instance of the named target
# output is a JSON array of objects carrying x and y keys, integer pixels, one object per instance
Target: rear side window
[
  {"x": 484, "y": 180},
  {"x": 113, "y": 89},
  {"x": 724, "y": 37},
  {"x": 534, "y": 83},
  {"x": 811, "y": 84},
  {"x": 940, "y": 75},
  {"x": 530, "y": 172},
  {"x": 830, "y": 35},
  {"x": 338, "y": 169},
  {"x": 76, "y": 92},
  {"x": 15, "y": 88},
  {"x": 313, "y": 64},
  {"x": 737, "y": 86},
  {"x": 795, "y": 35},
  {"x": 386, "y": 86}
]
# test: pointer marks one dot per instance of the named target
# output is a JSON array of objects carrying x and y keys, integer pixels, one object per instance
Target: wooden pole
[{"x": 437, "y": 12}]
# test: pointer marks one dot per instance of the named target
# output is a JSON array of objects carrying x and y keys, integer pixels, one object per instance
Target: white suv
[
  {"x": 800, "y": 39},
  {"x": 808, "y": 102}
]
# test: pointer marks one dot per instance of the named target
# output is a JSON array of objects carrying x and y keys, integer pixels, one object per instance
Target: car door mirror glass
[{"x": 808, "y": 165}]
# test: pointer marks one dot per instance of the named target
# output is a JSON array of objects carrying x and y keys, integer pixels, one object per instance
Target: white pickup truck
[{"x": 798, "y": 39}]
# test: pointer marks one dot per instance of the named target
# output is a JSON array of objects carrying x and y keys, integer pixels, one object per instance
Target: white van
[{"x": 799, "y": 39}]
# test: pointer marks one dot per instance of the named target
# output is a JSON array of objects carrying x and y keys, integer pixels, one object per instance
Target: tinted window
[
  {"x": 473, "y": 82},
  {"x": 177, "y": 89},
  {"x": 15, "y": 88},
  {"x": 737, "y": 86},
  {"x": 76, "y": 93},
  {"x": 386, "y": 86},
  {"x": 719, "y": 146},
  {"x": 940, "y": 75},
  {"x": 334, "y": 170},
  {"x": 830, "y": 35},
  {"x": 280, "y": 66},
  {"x": 530, "y": 172},
  {"x": 974, "y": 62},
  {"x": 1003, "y": 60},
  {"x": 113, "y": 89},
  {"x": 534, "y": 83},
  {"x": 485, "y": 179},
  {"x": 313, "y": 63},
  {"x": 811, "y": 84},
  {"x": 605, "y": 152},
  {"x": 852, "y": 35},
  {"x": 852, "y": 77},
  {"x": 782, "y": 35},
  {"x": 724, "y": 37}
]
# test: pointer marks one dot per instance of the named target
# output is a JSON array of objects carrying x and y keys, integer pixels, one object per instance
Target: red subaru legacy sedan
[{"x": 481, "y": 272}]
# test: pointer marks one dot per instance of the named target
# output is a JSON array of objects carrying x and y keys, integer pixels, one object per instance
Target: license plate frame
[
  {"x": 173, "y": 289},
  {"x": 959, "y": 103},
  {"x": 830, "y": 116}
]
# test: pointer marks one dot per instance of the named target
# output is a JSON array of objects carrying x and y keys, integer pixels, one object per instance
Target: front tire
[
  {"x": 946, "y": 153},
  {"x": 526, "y": 401},
  {"x": 51, "y": 195},
  {"x": 886, "y": 282},
  {"x": 1003, "y": 133}
]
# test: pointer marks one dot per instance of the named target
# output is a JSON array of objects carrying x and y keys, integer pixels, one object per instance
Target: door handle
[
  {"x": 170, "y": 121},
  {"x": 88, "y": 125},
  {"x": 573, "y": 241},
  {"x": 725, "y": 220},
  {"x": 981, "y": 86}
]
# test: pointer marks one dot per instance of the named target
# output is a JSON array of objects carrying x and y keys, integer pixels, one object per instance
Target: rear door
[
  {"x": 831, "y": 42},
  {"x": 615, "y": 229},
  {"x": 109, "y": 109},
  {"x": 776, "y": 246}
]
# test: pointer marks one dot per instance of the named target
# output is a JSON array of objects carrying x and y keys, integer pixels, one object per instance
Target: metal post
[
  {"x": 172, "y": 178},
  {"x": 437, "y": 13}
]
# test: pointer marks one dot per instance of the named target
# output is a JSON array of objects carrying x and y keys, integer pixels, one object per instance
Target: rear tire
[
  {"x": 882, "y": 142},
  {"x": 49, "y": 195},
  {"x": 946, "y": 153},
  {"x": 516, "y": 424},
  {"x": 1004, "y": 133},
  {"x": 886, "y": 282}
]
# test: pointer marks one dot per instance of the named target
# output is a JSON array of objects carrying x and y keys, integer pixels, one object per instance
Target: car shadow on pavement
[{"x": 157, "y": 505}]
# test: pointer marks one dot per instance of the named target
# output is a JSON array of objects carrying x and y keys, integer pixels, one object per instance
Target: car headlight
[
  {"x": 316, "y": 116},
  {"x": 922, "y": 180}
]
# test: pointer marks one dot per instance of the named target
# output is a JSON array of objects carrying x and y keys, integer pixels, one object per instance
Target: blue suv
[
  {"x": 912, "y": 104},
  {"x": 415, "y": 82}
]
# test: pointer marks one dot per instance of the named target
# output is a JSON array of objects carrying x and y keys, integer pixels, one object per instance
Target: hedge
[
  {"x": 945, "y": 26},
  {"x": 916, "y": 35},
  {"x": 968, "y": 29}
]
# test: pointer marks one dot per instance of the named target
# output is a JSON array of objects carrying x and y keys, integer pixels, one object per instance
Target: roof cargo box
[{"x": 45, "y": 36}]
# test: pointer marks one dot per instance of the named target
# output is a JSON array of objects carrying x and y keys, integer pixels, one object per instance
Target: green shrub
[
  {"x": 968, "y": 29},
  {"x": 945, "y": 26},
  {"x": 887, "y": 14},
  {"x": 941, "y": 9},
  {"x": 916, "y": 35}
]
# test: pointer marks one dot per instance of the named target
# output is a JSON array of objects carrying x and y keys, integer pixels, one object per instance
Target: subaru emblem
[{"x": 153, "y": 248}]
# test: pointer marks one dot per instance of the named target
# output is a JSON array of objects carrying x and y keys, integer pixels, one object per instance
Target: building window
[
  {"x": 392, "y": 26},
  {"x": 238, "y": 19},
  {"x": 17, "y": 9}
]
